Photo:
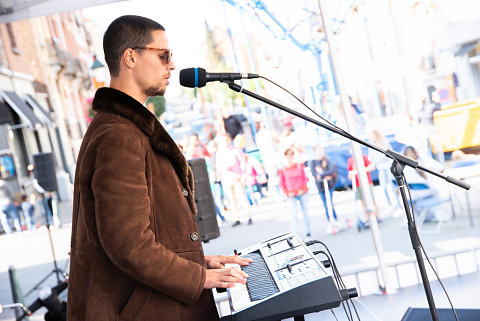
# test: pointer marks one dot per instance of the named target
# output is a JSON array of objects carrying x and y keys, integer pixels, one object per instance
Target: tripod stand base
[{"x": 423, "y": 314}]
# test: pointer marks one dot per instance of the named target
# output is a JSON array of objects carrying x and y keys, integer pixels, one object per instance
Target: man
[
  {"x": 233, "y": 127},
  {"x": 196, "y": 149},
  {"x": 136, "y": 253}
]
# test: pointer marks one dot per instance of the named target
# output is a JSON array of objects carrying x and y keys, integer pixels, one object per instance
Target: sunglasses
[{"x": 167, "y": 57}]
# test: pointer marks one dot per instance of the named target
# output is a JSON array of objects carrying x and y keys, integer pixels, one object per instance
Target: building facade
[{"x": 45, "y": 83}]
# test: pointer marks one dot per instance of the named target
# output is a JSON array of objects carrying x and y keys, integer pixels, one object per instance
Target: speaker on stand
[
  {"x": 207, "y": 215},
  {"x": 45, "y": 174},
  {"x": 44, "y": 166}
]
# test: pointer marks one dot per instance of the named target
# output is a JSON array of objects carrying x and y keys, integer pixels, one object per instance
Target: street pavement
[{"x": 353, "y": 252}]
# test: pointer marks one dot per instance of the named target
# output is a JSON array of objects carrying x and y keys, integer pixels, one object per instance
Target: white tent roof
[{"x": 12, "y": 10}]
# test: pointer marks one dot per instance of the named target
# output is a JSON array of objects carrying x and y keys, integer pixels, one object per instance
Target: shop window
[{"x": 7, "y": 166}]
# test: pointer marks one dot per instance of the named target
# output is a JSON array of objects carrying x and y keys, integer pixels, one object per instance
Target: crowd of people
[
  {"x": 23, "y": 208},
  {"x": 240, "y": 180},
  {"x": 282, "y": 168}
]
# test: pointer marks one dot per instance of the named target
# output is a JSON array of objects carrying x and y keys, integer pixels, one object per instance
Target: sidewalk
[{"x": 352, "y": 250}]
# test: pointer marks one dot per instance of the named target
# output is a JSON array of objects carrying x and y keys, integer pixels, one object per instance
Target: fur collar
[{"x": 118, "y": 102}]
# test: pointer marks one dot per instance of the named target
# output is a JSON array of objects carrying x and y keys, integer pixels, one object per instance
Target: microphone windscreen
[{"x": 193, "y": 77}]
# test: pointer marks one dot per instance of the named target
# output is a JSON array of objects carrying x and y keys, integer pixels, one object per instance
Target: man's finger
[
  {"x": 214, "y": 264},
  {"x": 236, "y": 260},
  {"x": 237, "y": 273}
]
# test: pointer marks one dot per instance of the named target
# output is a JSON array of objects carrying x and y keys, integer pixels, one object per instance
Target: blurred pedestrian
[
  {"x": 426, "y": 120},
  {"x": 195, "y": 148},
  {"x": 253, "y": 169},
  {"x": 358, "y": 112},
  {"x": 214, "y": 175},
  {"x": 353, "y": 175},
  {"x": 35, "y": 191},
  {"x": 230, "y": 164},
  {"x": 293, "y": 182},
  {"x": 265, "y": 142},
  {"x": 214, "y": 178},
  {"x": 288, "y": 140},
  {"x": 383, "y": 164},
  {"x": 232, "y": 124},
  {"x": 325, "y": 174},
  {"x": 8, "y": 207},
  {"x": 28, "y": 209},
  {"x": 417, "y": 176}
]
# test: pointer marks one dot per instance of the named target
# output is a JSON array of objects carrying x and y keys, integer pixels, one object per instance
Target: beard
[{"x": 155, "y": 91}]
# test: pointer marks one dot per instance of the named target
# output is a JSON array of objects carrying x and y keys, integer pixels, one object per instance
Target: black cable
[
  {"x": 310, "y": 109},
  {"x": 337, "y": 275},
  {"x": 334, "y": 315},
  {"x": 339, "y": 285}
]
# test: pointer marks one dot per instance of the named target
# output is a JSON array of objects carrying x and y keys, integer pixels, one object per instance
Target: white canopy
[{"x": 12, "y": 10}]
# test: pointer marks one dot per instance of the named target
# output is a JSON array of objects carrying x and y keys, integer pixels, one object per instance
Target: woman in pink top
[{"x": 293, "y": 182}]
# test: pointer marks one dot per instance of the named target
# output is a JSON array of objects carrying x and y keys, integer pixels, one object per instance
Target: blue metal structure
[{"x": 258, "y": 8}]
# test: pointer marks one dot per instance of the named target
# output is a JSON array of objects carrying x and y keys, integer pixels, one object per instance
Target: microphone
[{"x": 198, "y": 77}]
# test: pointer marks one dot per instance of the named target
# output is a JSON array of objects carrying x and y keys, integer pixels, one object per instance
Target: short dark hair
[
  {"x": 126, "y": 32},
  {"x": 288, "y": 151}
]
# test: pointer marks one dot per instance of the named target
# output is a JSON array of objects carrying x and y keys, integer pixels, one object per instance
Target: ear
[{"x": 129, "y": 58}]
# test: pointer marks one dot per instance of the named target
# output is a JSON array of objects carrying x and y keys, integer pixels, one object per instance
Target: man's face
[
  {"x": 225, "y": 113},
  {"x": 194, "y": 140},
  {"x": 152, "y": 70}
]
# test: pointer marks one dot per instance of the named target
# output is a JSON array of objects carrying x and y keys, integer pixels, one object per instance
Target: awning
[
  {"x": 21, "y": 108},
  {"x": 39, "y": 111},
  {"x": 465, "y": 49},
  {"x": 474, "y": 59},
  {"x": 5, "y": 115}
]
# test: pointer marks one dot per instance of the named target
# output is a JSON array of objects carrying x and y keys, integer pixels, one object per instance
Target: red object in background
[{"x": 287, "y": 121}]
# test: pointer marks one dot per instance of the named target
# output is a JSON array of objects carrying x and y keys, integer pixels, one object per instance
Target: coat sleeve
[
  {"x": 330, "y": 170},
  {"x": 282, "y": 183},
  {"x": 122, "y": 217},
  {"x": 313, "y": 168}
]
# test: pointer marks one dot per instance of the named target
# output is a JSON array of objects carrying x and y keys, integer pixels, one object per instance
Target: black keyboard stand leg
[{"x": 299, "y": 318}]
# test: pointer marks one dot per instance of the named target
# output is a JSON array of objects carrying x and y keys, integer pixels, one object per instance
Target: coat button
[
  {"x": 194, "y": 236},
  {"x": 185, "y": 192}
]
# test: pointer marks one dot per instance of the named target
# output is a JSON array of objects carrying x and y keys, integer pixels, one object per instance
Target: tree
[{"x": 159, "y": 104}]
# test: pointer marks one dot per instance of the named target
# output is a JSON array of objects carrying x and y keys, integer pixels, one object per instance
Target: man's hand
[
  {"x": 224, "y": 278},
  {"x": 220, "y": 277},
  {"x": 219, "y": 261}
]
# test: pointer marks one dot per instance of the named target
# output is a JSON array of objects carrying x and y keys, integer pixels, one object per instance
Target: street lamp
[{"x": 98, "y": 73}]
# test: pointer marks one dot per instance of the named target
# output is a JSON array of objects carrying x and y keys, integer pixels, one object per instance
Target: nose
[{"x": 171, "y": 65}]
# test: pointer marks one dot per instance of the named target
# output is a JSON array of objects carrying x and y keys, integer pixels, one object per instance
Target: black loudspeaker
[
  {"x": 206, "y": 216},
  {"x": 44, "y": 165},
  {"x": 423, "y": 314}
]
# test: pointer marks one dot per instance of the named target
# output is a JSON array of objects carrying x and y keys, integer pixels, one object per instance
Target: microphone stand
[{"x": 399, "y": 162}]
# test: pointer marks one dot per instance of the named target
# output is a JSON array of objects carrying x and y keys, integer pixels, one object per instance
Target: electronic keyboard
[{"x": 285, "y": 280}]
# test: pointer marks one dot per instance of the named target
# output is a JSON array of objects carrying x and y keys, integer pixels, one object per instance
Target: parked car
[{"x": 338, "y": 151}]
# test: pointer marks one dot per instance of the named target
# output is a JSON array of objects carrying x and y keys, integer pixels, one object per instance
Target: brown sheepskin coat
[{"x": 135, "y": 250}]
